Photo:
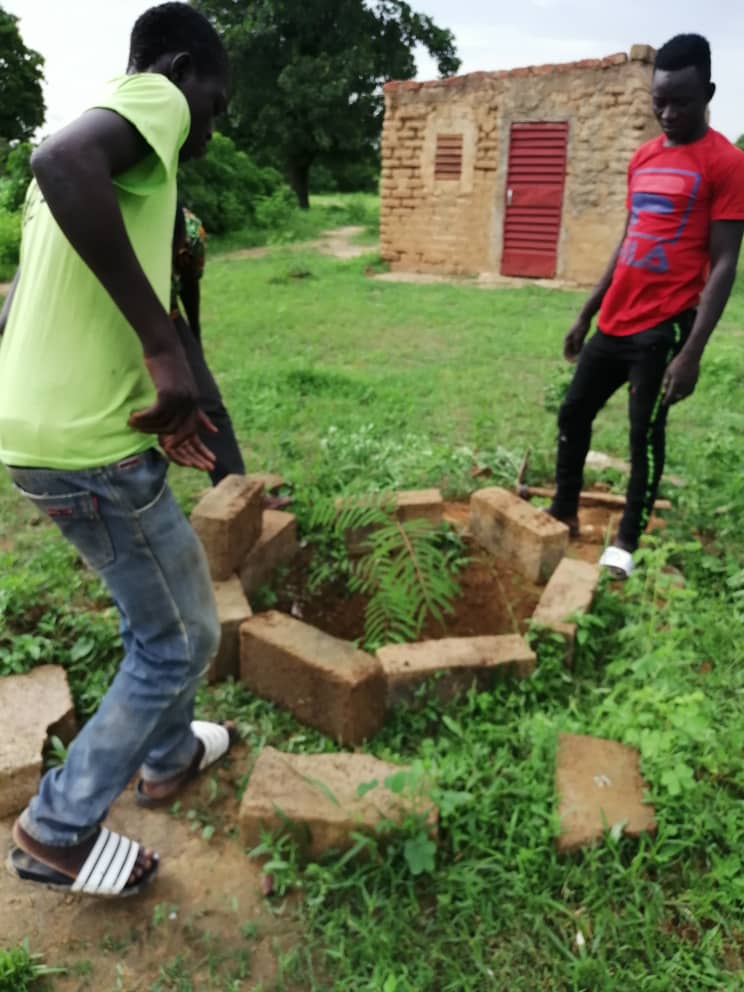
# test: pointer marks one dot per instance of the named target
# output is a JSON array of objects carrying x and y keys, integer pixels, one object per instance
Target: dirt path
[
  {"x": 338, "y": 242},
  {"x": 205, "y": 908},
  {"x": 486, "y": 280}
]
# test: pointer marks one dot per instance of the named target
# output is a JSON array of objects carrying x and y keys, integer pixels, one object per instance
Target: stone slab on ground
[
  {"x": 570, "y": 590},
  {"x": 325, "y": 682},
  {"x": 504, "y": 524},
  {"x": 232, "y": 609},
  {"x": 228, "y": 520},
  {"x": 33, "y": 707},
  {"x": 459, "y": 661},
  {"x": 599, "y": 784},
  {"x": 276, "y": 546},
  {"x": 317, "y": 798}
]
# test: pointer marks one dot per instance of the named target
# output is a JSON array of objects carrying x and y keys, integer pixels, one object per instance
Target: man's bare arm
[{"x": 724, "y": 245}]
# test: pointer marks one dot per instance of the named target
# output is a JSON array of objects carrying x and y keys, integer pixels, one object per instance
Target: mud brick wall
[{"x": 455, "y": 226}]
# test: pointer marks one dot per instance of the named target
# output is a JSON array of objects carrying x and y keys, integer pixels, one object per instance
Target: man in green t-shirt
[{"x": 91, "y": 369}]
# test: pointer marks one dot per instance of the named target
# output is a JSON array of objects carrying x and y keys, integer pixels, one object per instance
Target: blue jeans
[{"x": 126, "y": 524}]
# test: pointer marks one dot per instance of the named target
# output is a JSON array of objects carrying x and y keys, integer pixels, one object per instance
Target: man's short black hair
[
  {"x": 682, "y": 51},
  {"x": 176, "y": 27}
]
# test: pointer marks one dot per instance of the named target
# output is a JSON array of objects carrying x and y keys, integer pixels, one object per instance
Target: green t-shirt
[{"x": 71, "y": 366}]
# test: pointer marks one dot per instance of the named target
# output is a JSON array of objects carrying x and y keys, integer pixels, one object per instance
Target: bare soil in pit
[
  {"x": 203, "y": 917},
  {"x": 495, "y": 597}
]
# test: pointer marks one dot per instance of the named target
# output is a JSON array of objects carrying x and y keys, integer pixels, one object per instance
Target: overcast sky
[{"x": 85, "y": 42}]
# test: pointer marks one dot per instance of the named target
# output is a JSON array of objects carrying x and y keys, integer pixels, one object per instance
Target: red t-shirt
[{"x": 673, "y": 195}]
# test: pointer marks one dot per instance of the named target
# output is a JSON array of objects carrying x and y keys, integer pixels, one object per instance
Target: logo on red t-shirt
[
  {"x": 661, "y": 201},
  {"x": 675, "y": 193}
]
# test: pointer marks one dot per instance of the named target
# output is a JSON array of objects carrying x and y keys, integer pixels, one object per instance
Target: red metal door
[{"x": 535, "y": 179}]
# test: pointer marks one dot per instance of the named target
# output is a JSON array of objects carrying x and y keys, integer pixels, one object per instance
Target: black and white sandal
[
  {"x": 105, "y": 872},
  {"x": 215, "y": 740}
]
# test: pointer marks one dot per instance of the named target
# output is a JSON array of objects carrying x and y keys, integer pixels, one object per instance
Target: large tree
[
  {"x": 21, "y": 75},
  {"x": 307, "y": 74}
]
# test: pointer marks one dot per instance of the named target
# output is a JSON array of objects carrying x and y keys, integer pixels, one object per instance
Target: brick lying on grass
[
  {"x": 325, "y": 682},
  {"x": 599, "y": 785},
  {"x": 228, "y": 520},
  {"x": 458, "y": 661},
  {"x": 316, "y": 798},
  {"x": 34, "y": 706},
  {"x": 506, "y": 525}
]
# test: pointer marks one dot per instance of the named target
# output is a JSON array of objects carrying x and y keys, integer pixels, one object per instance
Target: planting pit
[{"x": 496, "y": 598}]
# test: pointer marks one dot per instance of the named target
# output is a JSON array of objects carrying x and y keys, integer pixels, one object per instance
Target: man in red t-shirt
[{"x": 663, "y": 292}]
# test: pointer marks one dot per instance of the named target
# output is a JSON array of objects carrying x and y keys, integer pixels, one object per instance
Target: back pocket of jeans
[
  {"x": 141, "y": 480},
  {"x": 78, "y": 517}
]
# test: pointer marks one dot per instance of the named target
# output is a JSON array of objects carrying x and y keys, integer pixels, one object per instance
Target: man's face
[
  {"x": 680, "y": 98},
  {"x": 207, "y": 98}
]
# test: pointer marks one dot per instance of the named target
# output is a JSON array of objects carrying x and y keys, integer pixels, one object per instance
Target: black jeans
[
  {"x": 223, "y": 444},
  {"x": 605, "y": 364}
]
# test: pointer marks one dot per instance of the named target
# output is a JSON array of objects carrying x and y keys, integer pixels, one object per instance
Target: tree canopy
[
  {"x": 307, "y": 74},
  {"x": 21, "y": 75},
  {"x": 225, "y": 186}
]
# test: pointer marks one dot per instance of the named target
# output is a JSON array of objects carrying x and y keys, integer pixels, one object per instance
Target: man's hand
[
  {"x": 574, "y": 340},
  {"x": 680, "y": 378},
  {"x": 175, "y": 411},
  {"x": 191, "y": 452},
  {"x": 682, "y": 373}
]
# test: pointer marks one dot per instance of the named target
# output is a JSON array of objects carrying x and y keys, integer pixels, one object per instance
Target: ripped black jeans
[{"x": 605, "y": 364}]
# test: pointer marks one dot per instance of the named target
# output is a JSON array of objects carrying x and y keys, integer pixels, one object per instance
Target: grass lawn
[{"x": 344, "y": 384}]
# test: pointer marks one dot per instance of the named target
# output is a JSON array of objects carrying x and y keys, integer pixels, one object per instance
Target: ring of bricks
[{"x": 329, "y": 684}]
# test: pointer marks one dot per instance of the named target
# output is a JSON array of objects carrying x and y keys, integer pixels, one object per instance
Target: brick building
[{"x": 519, "y": 172}]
